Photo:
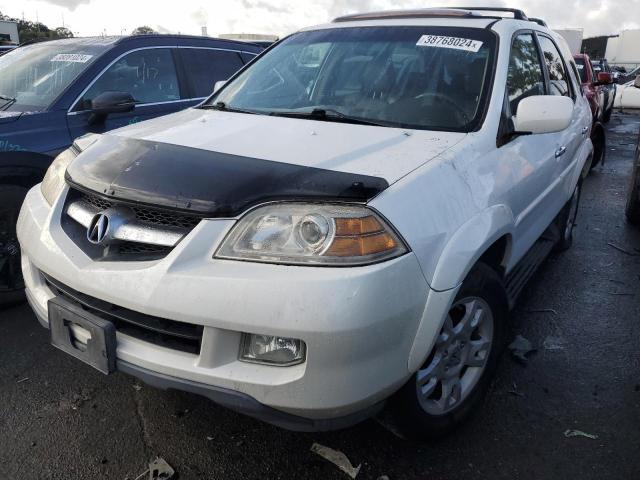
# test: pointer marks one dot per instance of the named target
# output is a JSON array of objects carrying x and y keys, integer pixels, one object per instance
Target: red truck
[{"x": 599, "y": 93}]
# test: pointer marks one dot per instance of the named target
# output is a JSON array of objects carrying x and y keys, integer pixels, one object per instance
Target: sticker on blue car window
[
  {"x": 456, "y": 43},
  {"x": 72, "y": 57}
]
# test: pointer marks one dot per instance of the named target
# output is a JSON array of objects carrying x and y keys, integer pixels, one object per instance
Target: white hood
[{"x": 389, "y": 153}]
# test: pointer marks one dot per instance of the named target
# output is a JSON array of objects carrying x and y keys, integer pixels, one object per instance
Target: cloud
[
  {"x": 200, "y": 16},
  {"x": 69, "y": 4},
  {"x": 280, "y": 17}
]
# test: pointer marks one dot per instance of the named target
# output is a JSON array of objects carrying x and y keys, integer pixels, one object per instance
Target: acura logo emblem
[{"x": 98, "y": 228}]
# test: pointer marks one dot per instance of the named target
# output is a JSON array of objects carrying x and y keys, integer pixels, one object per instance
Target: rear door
[{"x": 149, "y": 74}]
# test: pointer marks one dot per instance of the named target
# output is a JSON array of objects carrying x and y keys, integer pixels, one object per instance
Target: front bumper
[{"x": 358, "y": 323}]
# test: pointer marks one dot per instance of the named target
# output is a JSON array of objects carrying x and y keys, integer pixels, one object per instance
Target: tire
[
  {"x": 632, "y": 210},
  {"x": 599, "y": 147},
  {"x": 606, "y": 117},
  {"x": 11, "y": 282},
  {"x": 567, "y": 220},
  {"x": 428, "y": 416}
]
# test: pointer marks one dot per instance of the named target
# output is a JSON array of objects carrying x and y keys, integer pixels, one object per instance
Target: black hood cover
[{"x": 209, "y": 183}]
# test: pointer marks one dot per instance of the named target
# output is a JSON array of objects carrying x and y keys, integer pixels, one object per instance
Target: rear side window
[
  {"x": 205, "y": 67},
  {"x": 582, "y": 68},
  {"x": 149, "y": 75},
  {"x": 558, "y": 75},
  {"x": 525, "y": 77}
]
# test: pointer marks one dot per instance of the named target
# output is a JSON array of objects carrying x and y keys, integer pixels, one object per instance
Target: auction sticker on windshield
[
  {"x": 72, "y": 57},
  {"x": 456, "y": 43}
]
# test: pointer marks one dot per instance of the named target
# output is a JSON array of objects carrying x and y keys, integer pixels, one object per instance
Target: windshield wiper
[
  {"x": 330, "y": 115},
  {"x": 224, "y": 108},
  {"x": 8, "y": 101}
]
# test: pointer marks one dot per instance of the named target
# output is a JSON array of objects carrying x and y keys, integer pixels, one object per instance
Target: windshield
[
  {"x": 434, "y": 78},
  {"x": 32, "y": 77}
]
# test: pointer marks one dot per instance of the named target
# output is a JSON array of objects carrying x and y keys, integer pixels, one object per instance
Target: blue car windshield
[
  {"x": 32, "y": 77},
  {"x": 435, "y": 78}
]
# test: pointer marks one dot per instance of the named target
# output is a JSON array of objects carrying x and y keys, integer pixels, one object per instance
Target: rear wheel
[
  {"x": 452, "y": 383},
  {"x": 567, "y": 220},
  {"x": 632, "y": 209},
  {"x": 11, "y": 282},
  {"x": 599, "y": 146}
]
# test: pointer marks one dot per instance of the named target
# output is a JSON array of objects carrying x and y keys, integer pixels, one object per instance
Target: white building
[{"x": 9, "y": 31}]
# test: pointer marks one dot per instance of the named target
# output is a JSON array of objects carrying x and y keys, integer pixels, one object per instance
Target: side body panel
[{"x": 452, "y": 209}]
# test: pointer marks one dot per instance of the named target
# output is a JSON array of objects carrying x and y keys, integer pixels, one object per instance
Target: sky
[{"x": 280, "y": 17}]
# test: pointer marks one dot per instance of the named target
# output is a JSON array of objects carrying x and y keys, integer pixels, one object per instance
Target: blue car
[{"x": 53, "y": 92}]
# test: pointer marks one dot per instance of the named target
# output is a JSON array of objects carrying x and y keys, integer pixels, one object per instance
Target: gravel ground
[{"x": 61, "y": 419}]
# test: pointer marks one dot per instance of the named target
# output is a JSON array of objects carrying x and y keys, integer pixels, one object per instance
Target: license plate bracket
[{"x": 99, "y": 351}]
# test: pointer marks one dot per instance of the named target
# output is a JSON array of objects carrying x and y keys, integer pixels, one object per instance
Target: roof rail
[
  {"x": 517, "y": 13},
  {"x": 417, "y": 13},
  {"x": 539, "y": 21}
]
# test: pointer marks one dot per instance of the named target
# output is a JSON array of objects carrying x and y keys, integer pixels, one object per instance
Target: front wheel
[
  {"x": 11, "y": 282},
  {"x": 454, "y": 379}
]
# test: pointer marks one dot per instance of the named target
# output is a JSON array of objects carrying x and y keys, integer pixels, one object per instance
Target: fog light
[{"x": 272, "y": 350}]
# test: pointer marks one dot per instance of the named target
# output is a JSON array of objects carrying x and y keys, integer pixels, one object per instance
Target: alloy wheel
[{"x": 459, "y": 357}]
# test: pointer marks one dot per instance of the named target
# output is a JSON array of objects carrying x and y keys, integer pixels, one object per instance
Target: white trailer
[
  {"x": 624, "y": 50},
  {"x": 573, "y": 36},
  {"x": 9, "y": 32}
]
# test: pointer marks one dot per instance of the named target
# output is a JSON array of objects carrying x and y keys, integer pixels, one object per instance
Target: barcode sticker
[
  {"x": 72, "y": 57},
  {"x": 455, "y": 43}
]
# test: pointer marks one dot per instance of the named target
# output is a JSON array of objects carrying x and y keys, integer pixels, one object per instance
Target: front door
[{"x": 149, "y": 75}]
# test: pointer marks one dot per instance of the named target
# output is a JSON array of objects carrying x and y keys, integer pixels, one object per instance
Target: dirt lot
[{"x": 61, "y": 419}]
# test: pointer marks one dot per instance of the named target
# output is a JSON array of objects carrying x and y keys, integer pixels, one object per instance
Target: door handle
[
  {"x": 585, "y": 130},
  {"x": 560, "y": 151}
]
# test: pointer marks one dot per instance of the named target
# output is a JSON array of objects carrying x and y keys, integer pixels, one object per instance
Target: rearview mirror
[
  {"x": 636, "y": 82},
  {"x": 543, "y": 114},
  {"x": 218, "y": 85},
  {"x": 604, "y": 78}
]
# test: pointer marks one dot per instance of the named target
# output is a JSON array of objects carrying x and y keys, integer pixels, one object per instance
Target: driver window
[
  {"x": 148, "y": 75},
  {"x": 524, "y": 77}
]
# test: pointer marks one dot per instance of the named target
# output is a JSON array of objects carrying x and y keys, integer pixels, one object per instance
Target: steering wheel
[{"x": 462, "y": 114}]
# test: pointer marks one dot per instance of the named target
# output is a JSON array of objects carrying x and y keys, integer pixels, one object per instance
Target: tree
[
  {"x": 144, "y": 30},
  {"x": 63, "y": 32},
  {"x": 29, "y": 31}
]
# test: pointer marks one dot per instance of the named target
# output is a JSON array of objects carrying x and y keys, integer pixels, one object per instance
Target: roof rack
[
  {"x": 452, "y": 12},
  {"x": 539, "y": 21},
  {"x": 417, "y": 13},
  {"x": 517, "y": 13}
]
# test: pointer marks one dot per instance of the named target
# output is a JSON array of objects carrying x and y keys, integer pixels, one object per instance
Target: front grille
[
  {"x": 153, "y": 216},
  {"x": 184, "y": 337},
  {"x": 147, "y": 219},
  {"x": 132, "y": 248}
]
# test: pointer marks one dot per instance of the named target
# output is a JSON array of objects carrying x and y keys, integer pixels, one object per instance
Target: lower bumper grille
[{"x": 184, "y": 337}]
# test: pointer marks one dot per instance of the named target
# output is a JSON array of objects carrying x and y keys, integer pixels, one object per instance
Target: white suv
[{"x": 344, "y": 225}]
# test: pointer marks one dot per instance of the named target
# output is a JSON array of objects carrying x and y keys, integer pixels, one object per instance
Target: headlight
[
  {"x": 53, "y": 181},
  {"x": 302, "y": 234}
]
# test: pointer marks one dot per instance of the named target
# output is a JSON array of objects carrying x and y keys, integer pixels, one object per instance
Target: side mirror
[
  {"x": 604, "y": 78},
  {"x": 543, "y": 114},
  {"x": 636, "y": 82},
  {"x": 218, "y": 85},
  {"x": 110, "y": 102}
]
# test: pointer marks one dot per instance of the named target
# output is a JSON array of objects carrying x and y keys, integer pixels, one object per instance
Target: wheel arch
[
  {"x": 488, "y": 237},
  {"x": 23, "y": 168}
]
